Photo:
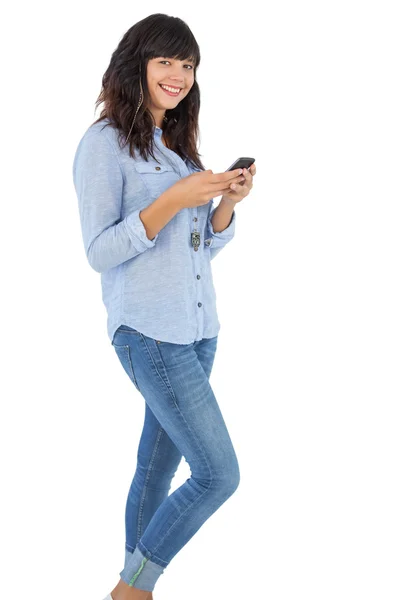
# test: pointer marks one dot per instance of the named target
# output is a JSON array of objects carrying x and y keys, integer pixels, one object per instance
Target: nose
[{"x": 177, "y": 81}]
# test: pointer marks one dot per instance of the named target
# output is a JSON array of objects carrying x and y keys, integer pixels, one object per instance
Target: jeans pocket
[
  {"x": 124, "y": 355},
  {"x": 126, "y": 329}
]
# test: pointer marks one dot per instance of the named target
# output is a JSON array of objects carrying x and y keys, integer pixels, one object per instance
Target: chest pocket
[{"x": 156, "y": 177}]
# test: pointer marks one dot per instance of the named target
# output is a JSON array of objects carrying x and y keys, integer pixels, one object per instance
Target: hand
[
  {"x": 199, "y": 188},
  {"x": 236, "y": 192}
]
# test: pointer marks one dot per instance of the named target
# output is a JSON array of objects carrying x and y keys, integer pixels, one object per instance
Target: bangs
[{"x": 174, "y": 40}]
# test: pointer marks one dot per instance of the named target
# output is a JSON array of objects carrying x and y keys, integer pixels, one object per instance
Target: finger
[
  {"x": 226, "y": 176},
  {"x": 246, "y": 177},
  {"x": 239, "y": 184},
  {"x": 222, "y": 186},
  {"x": 236, "y": 188},
  {"x": 217, "y": 193},
  {"x": 240, "y": 179}
]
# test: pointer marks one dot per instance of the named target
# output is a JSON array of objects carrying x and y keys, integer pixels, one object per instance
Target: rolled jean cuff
[
  {"x": 141, "y": 572},
  {"x": 127, "y": 557}
]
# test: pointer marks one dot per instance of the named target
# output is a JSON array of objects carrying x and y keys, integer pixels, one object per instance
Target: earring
[{"x": 140, "y": 102}]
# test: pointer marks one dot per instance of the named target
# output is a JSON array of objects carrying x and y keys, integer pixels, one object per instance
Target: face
[{"x": 169, "y": 72}]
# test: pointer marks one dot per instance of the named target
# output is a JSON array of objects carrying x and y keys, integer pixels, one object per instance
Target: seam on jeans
[
  {"x": 127, "y": 357},
  {"x": 149, "y": 469},
  {"x": 131, "y": 582},
  {"x": 156, "y": 560},
  {"x": 180, "y": 517},
  {"x": 128, "y": 352},
  {"x": 194, "y": 436},
  {"x": 170, "y": 388}
]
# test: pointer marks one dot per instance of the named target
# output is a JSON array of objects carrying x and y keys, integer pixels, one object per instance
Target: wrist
[{"x": 228, "y": 201}]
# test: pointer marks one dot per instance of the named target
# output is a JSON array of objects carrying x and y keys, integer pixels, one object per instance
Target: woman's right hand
[{"x": 200, "y": 187}]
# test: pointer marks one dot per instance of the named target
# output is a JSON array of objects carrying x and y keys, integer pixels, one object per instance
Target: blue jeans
[{"x": 182, "y": 418}]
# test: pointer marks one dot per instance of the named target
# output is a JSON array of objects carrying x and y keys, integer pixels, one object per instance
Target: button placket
[{"x": 195, "y": 240}]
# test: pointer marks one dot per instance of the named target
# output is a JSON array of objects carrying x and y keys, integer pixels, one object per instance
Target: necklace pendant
[{"x": 195, "y": 239}]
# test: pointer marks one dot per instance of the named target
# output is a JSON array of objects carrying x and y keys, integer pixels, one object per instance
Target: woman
[{"x": 150, "y": 228}]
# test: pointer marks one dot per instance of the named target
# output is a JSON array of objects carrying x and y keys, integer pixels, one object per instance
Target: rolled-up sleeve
[
  {"x": 99, "y": 180},
  {"x": 217, "y": 240}
]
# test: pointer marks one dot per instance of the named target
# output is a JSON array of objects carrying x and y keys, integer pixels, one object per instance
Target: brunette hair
[{"x": 156, "y": 35}]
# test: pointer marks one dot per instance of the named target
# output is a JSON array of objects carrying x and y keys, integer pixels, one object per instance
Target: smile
[{"x": 171, "y": 91}]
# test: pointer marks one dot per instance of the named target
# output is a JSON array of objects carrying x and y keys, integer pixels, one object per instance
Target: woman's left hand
[{"x": 240, "y": 190}]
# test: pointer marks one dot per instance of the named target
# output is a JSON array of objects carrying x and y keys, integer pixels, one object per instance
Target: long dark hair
[{"x": 156, "y": 35}]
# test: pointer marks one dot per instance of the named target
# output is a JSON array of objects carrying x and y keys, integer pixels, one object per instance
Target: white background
[{"x": 307, "y": 368}]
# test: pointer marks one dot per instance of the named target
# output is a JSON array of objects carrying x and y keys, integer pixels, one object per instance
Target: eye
[{"x": 191, "y": 68}]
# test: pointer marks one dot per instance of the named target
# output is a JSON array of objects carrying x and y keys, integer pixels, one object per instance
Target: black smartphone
[{"x": 244, "y": 162}]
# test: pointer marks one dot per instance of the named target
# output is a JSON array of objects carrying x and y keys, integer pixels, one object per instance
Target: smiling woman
[
  {"x": 159, "y": 50},
  {"x": 153, "y": 249}
]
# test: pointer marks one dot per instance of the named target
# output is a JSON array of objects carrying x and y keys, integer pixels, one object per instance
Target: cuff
[
  {"x": 141, "y": 572},
  {"x": 137, "y": 232},
  {"x": 225, "y": 235}
]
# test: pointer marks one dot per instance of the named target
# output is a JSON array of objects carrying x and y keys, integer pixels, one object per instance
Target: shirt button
[
  {"x": 198, "y": 276},
  {"x": 199, "y": 304},
  {"x": 194, "y": 218}
]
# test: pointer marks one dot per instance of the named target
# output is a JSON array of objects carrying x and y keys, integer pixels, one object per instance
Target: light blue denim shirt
[{"x": 162, "y": 287}]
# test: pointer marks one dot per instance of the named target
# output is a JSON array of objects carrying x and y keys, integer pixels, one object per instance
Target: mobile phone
[{"x": 244, "y": 162}]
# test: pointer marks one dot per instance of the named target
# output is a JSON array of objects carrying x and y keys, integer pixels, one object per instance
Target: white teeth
[{"x": 170, "y": 89}]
